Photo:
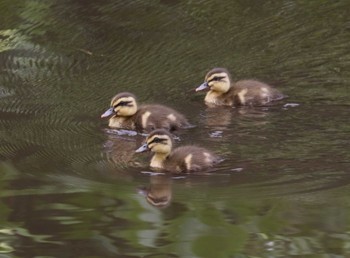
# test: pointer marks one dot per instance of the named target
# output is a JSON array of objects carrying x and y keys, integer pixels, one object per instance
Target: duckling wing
[
  {"x": 190, "y": 158},
  {"x": 150, "y": 117},
  {"x": 251, "y": 92}
]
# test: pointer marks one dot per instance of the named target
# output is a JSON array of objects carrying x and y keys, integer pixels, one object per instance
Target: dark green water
[{"x": 71, "y": 188}]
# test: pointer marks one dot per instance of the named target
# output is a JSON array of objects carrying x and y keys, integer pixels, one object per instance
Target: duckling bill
[
  {"x": 182, "y": 159},
  {"x": 125, "y": 113},
  {"x": 223, "y": 91}
]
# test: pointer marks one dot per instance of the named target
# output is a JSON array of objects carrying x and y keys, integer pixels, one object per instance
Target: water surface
[{"x": 72, "y": 188}]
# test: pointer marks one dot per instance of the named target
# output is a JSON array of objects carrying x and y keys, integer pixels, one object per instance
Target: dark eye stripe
[
  {"x": 217, "y": 78},
  {"x": 123, "y": 103},
  {"x": 157, "y": 140}
]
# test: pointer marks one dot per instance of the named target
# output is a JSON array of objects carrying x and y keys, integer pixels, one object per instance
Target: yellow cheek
[
  {"x": 160, "y": 148},
  {"x": 117, "y": 110},
  {"x": 122, "y": 111},
  {"x": 218, "y": 86}
]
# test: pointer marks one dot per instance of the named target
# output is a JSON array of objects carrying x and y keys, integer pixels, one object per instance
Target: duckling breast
[{"x": 121, "y": 122}]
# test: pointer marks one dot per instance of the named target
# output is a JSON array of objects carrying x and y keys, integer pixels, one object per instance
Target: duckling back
[
  {"x": 254, "y": 93},
  {"x": 151, "y": 117},
  {"x": 125, "y": 113},
  {"x": 189, "y": 158},
  {"x": 223, "y": 91}
]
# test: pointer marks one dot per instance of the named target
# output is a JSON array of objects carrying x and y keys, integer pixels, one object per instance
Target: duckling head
[
  {"x": 159, "y": 141},
  {"x": 122, "y": 104},
  {"x": 217, "y": 79}
]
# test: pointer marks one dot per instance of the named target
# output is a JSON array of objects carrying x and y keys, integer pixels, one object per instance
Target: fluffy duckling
[
  {"x": 181, "y": 159},
  {"x": 125, "y": 113},
  {"x": 222, "y": 91}
]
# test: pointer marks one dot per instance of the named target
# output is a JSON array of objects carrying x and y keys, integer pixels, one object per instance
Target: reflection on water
[
  {"x": 70, "y": 187},
  {"x": 120, "y": 147},
  {"x": 159, "y": 192}
]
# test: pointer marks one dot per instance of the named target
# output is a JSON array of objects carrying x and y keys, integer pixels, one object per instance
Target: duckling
[
  {"x": 125, "y": 113},
  {"x": 181, "y": 159},
  {"x": 222, "y": 91}
]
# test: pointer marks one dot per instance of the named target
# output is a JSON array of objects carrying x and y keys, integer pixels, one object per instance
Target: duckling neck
[
  {"x": 158, "y": 159},
  {"x": 213, "y": 97},
  {"x": 121, "y": 122}
]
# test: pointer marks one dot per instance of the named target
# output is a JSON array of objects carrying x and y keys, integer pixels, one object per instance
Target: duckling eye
[
  {"x": 218, "y": 78},
  {"x": 158, "y": 140}
]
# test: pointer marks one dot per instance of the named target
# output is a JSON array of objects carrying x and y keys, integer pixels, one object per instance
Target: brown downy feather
[
  {"x": 255, "y": 93},
  {"x": 181, "y": 159},
  {"x": 125, "y": 113},
  {"x": 223, "y": 91},
  {"x": 160, "y": 117},
  {"x": 178, "y": 161}
]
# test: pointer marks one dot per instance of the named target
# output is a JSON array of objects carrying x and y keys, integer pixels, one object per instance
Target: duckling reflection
[
  {"x": 120, "y": 150},
  {"x": 159, "y": 192},
  {"x": 218, "y": 117},
  {"x": 181, "y": 159},
  {"x": 125, "y": 113},
  {"x": 224, "y": 92}
]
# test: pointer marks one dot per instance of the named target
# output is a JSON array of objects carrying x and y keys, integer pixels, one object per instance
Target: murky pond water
[{"x": 70, "y": 187}]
